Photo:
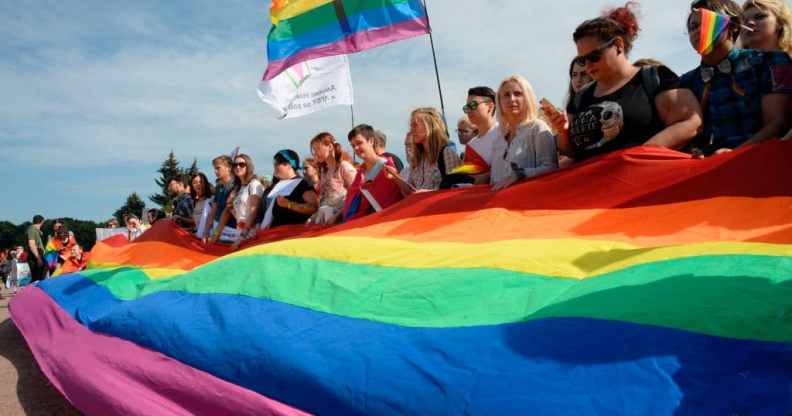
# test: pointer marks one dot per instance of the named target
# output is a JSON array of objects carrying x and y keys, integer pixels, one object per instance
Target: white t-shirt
[
  {"x": 240, "y": 211},
  {"x": 483, "y": 144}
]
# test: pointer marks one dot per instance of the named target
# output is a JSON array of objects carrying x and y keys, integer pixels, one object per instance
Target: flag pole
[
  {"x": 434, "y": 58},
  {"x": 352, "y": 114}
]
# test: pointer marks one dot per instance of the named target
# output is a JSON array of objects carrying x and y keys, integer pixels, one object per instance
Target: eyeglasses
[
  {"x": 595, "y": 55},
  {"x": 240, "y": 165},
  {"x": 472, "y": 106},
  {"x": 466, "y": 131}
]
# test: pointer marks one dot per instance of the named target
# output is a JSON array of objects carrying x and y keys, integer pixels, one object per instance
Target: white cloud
[{"x": 97, "y": 85}]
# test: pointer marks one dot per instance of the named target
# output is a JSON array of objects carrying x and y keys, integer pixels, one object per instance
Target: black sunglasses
[
  {"x": 472, "y": 105},
  {"x": 240, "y": 164},
  {"x": 595, "y": 55}
]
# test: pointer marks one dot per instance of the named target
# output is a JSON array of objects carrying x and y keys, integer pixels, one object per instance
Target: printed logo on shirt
[{"x": 597, "y": 125}]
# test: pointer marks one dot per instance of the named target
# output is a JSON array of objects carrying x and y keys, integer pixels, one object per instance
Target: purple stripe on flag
[
  {"x": 103, "y": 375},
  {"x": 354, "y": 43}
]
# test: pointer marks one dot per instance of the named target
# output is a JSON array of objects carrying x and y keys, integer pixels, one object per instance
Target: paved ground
[{"x": 24, "y": 390}]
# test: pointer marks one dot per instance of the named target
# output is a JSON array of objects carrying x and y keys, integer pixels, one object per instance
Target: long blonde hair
[
  {"x": 531, "y": 112},
  {"x": 436, "y": 134},
  {"x": 783, "y": 15}
]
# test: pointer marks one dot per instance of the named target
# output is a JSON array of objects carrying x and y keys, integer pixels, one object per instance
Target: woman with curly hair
[{"x": 625, "y": 105}]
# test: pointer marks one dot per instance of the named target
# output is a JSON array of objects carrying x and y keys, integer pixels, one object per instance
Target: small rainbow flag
[
  {"x": 712, "y": 25},
  {"x": 306, "y": 29}
]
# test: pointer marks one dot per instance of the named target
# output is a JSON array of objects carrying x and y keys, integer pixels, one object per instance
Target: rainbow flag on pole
[
  {"x": 307, "y": 29},
  {"x": 642, "y": 282}
]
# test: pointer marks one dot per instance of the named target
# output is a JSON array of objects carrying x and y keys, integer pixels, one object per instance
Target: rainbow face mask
[{"x": 710, "y": 29}]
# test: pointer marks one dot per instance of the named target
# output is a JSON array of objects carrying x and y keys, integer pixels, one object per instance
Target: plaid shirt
[{"x": 731, "y": 94}]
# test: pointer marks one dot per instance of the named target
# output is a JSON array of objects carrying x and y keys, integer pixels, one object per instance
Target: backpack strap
[{"x": 650, "y": 78}]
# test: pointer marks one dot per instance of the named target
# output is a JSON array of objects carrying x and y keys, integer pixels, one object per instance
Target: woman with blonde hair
[
  {"x": 336, "y": 174},
  {"x": 526, "y": 146},
  {"x": 771, "y": 21},
  {"x": 434, "y": 157}
]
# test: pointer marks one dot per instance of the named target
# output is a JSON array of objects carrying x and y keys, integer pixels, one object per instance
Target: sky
[{"x": 96, "y": 93}]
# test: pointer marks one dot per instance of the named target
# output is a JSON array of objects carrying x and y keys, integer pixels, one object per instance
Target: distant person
[
  {"x": 134, "y": 227},
  {"x": 375, "y": 186},
  {"x": 380, "y": 145},
  {"x": 243, "y": 205},
  {"x": 744, "y": 93},
  {"x": 466, "y": 130},
  {"x": 64, "y": 238},
  {"x": 224, "y": 187},
  {"x": 290, "y": 199},
  {"x": 310, "y": 173},
  {"x": 154, "y": 214},
  {"x": 35, "y": 249},
  {"x": 201, "y": 192},
  {"x": 183, "y": 204},
  {"x": 625, "y": 105},
  {"x": 113, "y": 223},
  {"x": 336, "y": 174},
  {"x": 5, "y": 270},
  {"x": 526, "y": 146},
  {"x": 434, "y": 156}
]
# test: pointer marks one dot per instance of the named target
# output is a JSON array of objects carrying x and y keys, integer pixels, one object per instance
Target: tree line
[{"x": 85, "y": 230}]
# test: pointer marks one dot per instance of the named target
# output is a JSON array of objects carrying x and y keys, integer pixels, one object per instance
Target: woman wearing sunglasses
[
  {"x": 243, "y": 203},
  {"x": 625, "y": 105}
]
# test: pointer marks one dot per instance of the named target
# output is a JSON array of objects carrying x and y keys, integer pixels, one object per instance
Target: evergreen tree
[
  {"x": 134, "y": 205},
  {"x": 169, "y": 169},
  {"x": 193, "y": 168}
]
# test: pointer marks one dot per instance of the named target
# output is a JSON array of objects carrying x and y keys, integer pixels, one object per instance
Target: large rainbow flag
[
  {"x": 640, "y": 283},
  {"x": 307, "y": 29}
]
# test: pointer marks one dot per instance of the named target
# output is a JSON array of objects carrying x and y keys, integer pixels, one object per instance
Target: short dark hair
[
  {"x": 38, "y": 219},
  {"x": 364, "y": 130},
  {"x": 183, "y": 179},
  {"x": 484, "y": 92}
]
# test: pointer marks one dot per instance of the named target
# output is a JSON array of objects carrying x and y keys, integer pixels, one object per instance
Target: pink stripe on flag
[
  {"x": 103, "y": 375},
  {"x": 355, "y": 42}
]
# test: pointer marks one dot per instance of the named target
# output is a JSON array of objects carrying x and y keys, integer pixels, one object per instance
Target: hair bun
[{"x": 626, "y": 17}]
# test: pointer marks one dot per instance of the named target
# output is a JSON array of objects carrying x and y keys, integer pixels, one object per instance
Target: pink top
[{"x": 333, "y": 184}]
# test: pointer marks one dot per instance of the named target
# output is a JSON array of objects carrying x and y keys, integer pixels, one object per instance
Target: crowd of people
[
  {"x": 35, "y": 261},
  {"x": 738, "y": 95}
]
